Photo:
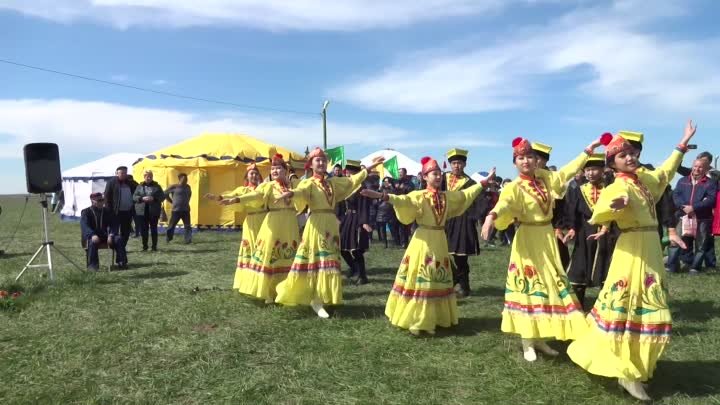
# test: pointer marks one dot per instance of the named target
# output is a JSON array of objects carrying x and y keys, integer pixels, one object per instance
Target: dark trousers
[
  {"x": 355, "y": 260},
  {"x": 405, "y": 233},
  {"x": 461, "y": 272},
  {"x": 149, "y": 223},
  {"x": 124, "y": 219},
  {"x": 699, "y": 249},
  {"x": 175, "y": 217},
  {"x": 382, "y": 232},
  {"x": 92, "y": 251},
  {"x": 395, "y": 232},
  {"x": 136, "y": 223}
]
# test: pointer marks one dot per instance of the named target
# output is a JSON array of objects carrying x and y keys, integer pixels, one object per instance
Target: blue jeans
[{"x": 118, "y": 245}]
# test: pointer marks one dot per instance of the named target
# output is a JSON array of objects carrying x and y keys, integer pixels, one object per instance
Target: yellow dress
[
  {"x": 275, "y": 243},
  {"x": 315, "y": 271},
  {"x": 630, "y": 323},
  {"x": 539, "y": 302},
  {"x": 250, "y": 228},
  {"x": 422, "y": 296}
]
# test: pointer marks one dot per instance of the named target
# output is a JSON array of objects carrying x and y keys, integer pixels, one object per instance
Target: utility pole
[{"x": 324, "y": 123}]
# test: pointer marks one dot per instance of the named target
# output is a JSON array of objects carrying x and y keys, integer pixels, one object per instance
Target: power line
[{"x": 163, "y": 93}]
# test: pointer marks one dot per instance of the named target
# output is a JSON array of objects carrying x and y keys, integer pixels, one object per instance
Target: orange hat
[
  {"x": 277, "y": 160},
  {"x": 521, "y": 147},
  {"x": 615, "y": 145},
  {"x": 429, "y": 164},
  {"x": 317, "y": 152}
]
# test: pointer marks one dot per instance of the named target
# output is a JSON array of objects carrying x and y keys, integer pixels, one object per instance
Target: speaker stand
[{"x": 47, "y": 245}]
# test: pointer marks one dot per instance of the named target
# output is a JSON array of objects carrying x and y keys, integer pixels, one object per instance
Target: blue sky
[{"x": 420, "y": 77}]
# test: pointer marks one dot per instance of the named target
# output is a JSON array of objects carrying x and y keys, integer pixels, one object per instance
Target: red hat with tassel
[
  {"x": 521, "y": 147},
  {"x": 429, "y": 164}
]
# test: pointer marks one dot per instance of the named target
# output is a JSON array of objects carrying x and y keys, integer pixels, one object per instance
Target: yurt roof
[
  {"x": 220, "y": 150},
  {"x": 413, "y": 167}
]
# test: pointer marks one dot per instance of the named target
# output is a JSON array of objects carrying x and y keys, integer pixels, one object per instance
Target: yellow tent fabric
[{"x": 214, "y": 163}]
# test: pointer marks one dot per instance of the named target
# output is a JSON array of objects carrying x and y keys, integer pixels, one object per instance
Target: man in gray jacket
[
  {"x": 148, "y": 198},
  {"x": 179, "y": 195}
]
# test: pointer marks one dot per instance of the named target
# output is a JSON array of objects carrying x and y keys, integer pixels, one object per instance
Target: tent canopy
[
  {"x": 79, "y": 182},
  {"x": 209, "y": 150},
  {"x": 413, "y": 167},
  {"x": 215, "y": 164},
  {"x": 103, "y": 167}
]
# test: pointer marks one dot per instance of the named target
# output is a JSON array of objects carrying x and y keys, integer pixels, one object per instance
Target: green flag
[
  {"x": 335, "y": 156},
  {"x": 391, "y": 168}
]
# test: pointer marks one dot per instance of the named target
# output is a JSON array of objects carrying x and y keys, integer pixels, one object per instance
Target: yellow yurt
[{"x": 214, "y": 163}]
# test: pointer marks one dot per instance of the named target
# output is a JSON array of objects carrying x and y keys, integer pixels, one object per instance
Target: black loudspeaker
[{"x": 42, "y": 168}]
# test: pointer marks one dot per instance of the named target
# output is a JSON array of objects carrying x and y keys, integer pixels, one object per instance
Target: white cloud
[
  {"x": 86, "y": 128},
  {"x": 80, "y": 126},
  {"x": 607, "y": 49},
  {"x": 322, "y": 15}
]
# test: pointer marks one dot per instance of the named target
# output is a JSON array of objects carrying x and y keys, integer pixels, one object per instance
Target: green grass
[{"x": 143, "y": 336}]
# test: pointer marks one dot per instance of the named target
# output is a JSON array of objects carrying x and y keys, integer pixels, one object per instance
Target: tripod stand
[{"x": 46, "y": 245}]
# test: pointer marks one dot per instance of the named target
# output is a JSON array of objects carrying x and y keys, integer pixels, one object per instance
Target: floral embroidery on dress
[{"x": 525, "y": 281}]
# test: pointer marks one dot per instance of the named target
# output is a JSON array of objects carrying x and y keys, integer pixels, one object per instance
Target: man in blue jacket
[
  {"x": 694, "y": 197},
  {"x": 97, "y": 226}
]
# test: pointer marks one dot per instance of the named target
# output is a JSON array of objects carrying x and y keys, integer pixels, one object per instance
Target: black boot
[
  {"x": 580, "y": 294},
  {"x": 360, "y": 263}
]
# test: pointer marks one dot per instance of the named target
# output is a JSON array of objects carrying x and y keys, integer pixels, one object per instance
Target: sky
[{"x": 421, "y": 77}]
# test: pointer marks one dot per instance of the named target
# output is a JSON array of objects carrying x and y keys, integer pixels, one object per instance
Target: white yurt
[
  {"x": 81, "y": 181},
  {"x": 413, "y": 167}
]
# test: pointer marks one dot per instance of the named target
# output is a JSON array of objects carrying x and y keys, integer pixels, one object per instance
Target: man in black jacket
[
  {"x": 461, "y": 231},
  {"x": 119, "y": 198},
  {"x": 97, "y": 226}
]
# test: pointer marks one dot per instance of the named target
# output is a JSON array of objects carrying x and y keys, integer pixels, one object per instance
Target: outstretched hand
[
  {"x": 689, "y": 131},
  {"x": 487, "y": 227},
  {"x": 676, "y": 240},
  {"x": 371, "y": 194},
  {"x": 377, "y": 161},
  {"x": 596, "y": 236},
  {"x": 619, "y": 203},
  {"x": 213, "y": 197}
]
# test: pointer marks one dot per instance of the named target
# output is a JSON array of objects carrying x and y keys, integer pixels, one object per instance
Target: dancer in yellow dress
[
  {"x": 630, "y": 323},
  {"x": 539, "y": 303},
  {"x": 253, "y": 218},
  {"x": 315, "y": 278},
  {"x": 277, "y": 241},
  {"x": 423, "y": 294}
]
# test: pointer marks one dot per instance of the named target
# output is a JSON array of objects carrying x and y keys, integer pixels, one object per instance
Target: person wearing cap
[
  {"x": 461, "y": 231},
  {"x": 591, "y": 256},
  {"x": 539, "y": 302},
  {"x": 315, "y": 276},
  {"x": 355, "y": 229},
  {"x": 558, "y": 221},
  {"x": 423, "y": 295},
  {"x": 630, "y": 323},
  {"x": 252, "y": 218},
  {"x": 97, "y": 226},
  {"x": 277, "y": 240},
  {"x": 148, "y": 199},
  {"x": 118, "y": 195}
]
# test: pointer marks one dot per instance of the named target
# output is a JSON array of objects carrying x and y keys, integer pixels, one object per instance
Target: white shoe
[
  {"x": 543, "y": 347},
  {"x": 317, "y": 306},
  {"x": 270, "y": 301},
  {"x": 634, "y": 388},
  {"x": 528, "y": 350}
]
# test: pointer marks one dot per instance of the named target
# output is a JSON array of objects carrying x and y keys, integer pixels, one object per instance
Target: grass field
[{"x": 147, "y": 336}]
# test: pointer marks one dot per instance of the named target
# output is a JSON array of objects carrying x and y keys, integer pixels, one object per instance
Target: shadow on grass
[
  {"x": 363, "y": 311},
  {"x": 137, "y": 266},
  {"x": 12, "y": 255},
  {"x": 691, "y": 378},
  {"x": 157, "y": 275},
  {"x": 694, "y": 310},
  {"x": 470, "y": 327},
  {"x": 382, "y": 272},
  {"x": 189, "y": 250},
  {"x": 351, "y": 292}
]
